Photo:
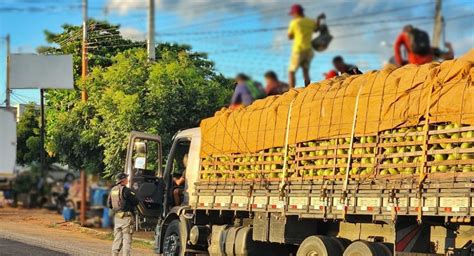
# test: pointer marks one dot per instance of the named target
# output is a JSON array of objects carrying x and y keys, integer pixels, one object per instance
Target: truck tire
[
  {"x": 387, "y": 248},
  {"x": 341, "y": 242},
  {"x": 364, "y": 248},
  {"x": 172, "y": 240},
  {"x": 320, "y": 246}
]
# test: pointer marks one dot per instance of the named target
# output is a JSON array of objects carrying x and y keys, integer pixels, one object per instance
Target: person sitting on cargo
[
  {"x": 344, "y": 68},
  {"x": 330, "y": 74},
  {"x": 440, "y": 55},
  {"x": 273, "y": 85},
  {"x": 241, "y": 94},
  {"x": 178, "y": 182}
]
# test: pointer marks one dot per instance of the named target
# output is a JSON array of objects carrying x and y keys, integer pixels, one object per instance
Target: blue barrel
[
  {"x": 69, "y": 213},
  {"x": 94, "y": 196},
  {"x": 98, "y": 195},
  {"x": 106, "y": 219}
]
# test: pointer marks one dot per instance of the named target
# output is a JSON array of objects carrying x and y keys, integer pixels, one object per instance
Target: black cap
[
  {"x": 120, "y": 177},
  {"x": 338, "y": 58}
]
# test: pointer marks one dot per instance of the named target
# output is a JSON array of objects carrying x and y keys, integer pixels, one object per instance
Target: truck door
[{"x": 144, "y": 167}]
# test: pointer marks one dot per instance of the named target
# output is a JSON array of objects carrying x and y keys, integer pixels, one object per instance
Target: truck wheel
[
  {"x": 387, "y": 248},
  {"x": 319, "y": 246},
  {"x": 341, "y": 242},
  {"x": 364, "y": 248},
  {"x": 172, "y": 240}
]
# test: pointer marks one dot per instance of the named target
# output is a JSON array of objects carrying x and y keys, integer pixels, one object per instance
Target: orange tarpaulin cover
[{"x": 385, "y": 99}]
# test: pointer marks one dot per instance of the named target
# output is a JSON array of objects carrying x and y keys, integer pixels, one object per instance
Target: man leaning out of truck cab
[{"x": 178, "y": 182}]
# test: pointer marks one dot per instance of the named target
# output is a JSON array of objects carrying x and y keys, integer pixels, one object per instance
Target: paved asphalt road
[{"x": 14, "y": 248}]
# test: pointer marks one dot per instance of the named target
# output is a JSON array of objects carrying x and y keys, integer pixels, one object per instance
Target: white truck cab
[{"x": 152, "y": 179}]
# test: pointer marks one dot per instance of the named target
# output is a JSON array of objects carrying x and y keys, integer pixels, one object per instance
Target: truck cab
[{"x": 155, "y": 182}]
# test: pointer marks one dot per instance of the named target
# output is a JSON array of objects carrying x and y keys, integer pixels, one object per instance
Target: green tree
[
  {"x": 75, "y": 139},
  {"x": 67, "y": 118},
  {"x": 127, "y": 92},
  {"x": 28, "y": 136},
  {"x": 174, "y": 93}
]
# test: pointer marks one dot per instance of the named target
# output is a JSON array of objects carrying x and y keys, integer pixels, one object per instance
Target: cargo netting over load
[{"x": 374, "y": 120}]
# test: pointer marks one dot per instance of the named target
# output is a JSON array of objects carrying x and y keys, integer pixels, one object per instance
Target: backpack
[
  {"x": 256, "y": 90},
  {"x": 116, "y": 198},
  {"x": 420, "y": 42},
  {"x": 321, "y": 42}
]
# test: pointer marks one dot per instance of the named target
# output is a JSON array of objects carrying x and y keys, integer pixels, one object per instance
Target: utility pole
[
  {"x": 84, "y": 99},
  {"x": 84, "y": 48},
  {"x": 438, "y": 25},
  {"x": 7, "y": 87},
  {"x": 42, "y": 136},
  {"x": 151, "y": 30}
]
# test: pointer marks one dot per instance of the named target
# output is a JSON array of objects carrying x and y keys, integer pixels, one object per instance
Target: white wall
[{"x": 7, "y": 141}]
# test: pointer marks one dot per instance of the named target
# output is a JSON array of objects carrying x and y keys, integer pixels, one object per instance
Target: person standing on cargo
[
  {"x": 417, "y": 44},
  {"x": 122, "y": 201},
  {"x": 301, "y": 31}
]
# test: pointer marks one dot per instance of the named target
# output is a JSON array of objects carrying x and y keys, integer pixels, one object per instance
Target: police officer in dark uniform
[{"x": 122, "y": 201}]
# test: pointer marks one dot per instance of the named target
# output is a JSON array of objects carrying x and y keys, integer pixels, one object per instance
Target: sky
[{"x": 241, "y": 35}]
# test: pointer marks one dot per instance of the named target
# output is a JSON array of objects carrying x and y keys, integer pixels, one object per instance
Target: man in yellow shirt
[{"x": 301, "y": 31}]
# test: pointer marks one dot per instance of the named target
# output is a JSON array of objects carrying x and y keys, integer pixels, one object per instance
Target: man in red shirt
[{"x": 405, "y": 39}]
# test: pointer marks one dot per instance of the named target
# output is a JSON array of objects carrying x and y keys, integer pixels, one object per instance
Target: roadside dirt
[{"x": 47, "y": 229}]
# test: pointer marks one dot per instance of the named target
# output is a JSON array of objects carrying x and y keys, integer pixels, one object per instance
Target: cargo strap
[
  {"x": 285, "y": 157},
  {"x": 344, "y": 198},
  {"x": 424, "y": 155}
]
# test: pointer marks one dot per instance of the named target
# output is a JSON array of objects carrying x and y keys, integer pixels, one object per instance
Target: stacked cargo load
[{"x": 394, "y": 122}]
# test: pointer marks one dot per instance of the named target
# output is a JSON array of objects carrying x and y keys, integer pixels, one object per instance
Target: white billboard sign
[
  {"x": 7, "y": 141},
  {"x": 31, "y": 71}
]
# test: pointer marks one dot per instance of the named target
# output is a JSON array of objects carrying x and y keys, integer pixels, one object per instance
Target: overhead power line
[
  {"x": 96, "y": 44},
  {"x": 336, "y": 37},
  {"x": 336, "y": 24},
  {"x": 281, "y": 9},
  {"x": 256, "y": 12},
  {"x": 40, "y": 9},
  {"x": 283, "y": 28},
  {"x": 117, "y": 45}
]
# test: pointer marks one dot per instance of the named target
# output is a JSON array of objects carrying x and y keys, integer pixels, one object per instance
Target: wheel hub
[{"x": 171, "y": 245}]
